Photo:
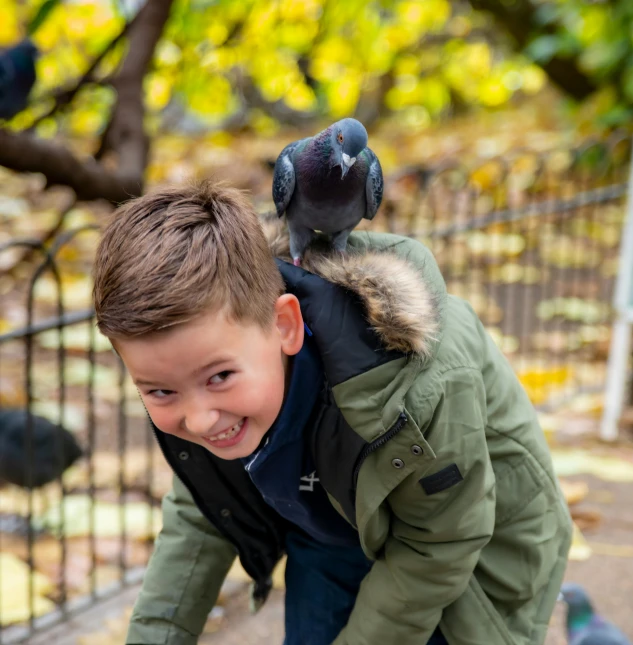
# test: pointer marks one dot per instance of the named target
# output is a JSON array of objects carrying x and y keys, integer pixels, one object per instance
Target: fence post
[{"x": 621, "y": 332}]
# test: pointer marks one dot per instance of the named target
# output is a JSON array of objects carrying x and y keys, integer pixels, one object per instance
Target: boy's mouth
[{"x": 227, "y": 434}]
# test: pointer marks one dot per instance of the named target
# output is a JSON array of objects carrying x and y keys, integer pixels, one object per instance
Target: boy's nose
[{"x": 201, "y": 421}]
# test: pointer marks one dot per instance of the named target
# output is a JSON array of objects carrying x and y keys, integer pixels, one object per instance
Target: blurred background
[{"x": 503, "y": 129}]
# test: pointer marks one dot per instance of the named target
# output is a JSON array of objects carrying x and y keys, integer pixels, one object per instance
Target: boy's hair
[{"x": 177, "y": 253}]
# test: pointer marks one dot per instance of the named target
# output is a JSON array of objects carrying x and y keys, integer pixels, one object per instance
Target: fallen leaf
[
  {"x": 580, "y": 550},
  {"x": 137, "y": 519},
  {"x": 574, "y": 492},
  {"x": 14, "y": 590},
  {"x": 75, "y": 337},
  {"x": 586, "y": 519},
  {"x": 618, "y": 550},
  {"x": 576, "y": 462}
]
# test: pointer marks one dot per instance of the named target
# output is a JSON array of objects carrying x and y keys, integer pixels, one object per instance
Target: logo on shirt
[{"x": 308, "y": 481}]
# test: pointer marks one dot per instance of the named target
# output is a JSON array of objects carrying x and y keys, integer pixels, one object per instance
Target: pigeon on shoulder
[
  {"x": 327, "y": 183},
  {"x": 17, "y": 77},
  {"x": 584, "y": 626}
]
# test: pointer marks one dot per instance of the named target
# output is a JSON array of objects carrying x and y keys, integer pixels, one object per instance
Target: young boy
[{"x": 348, "y": 413}]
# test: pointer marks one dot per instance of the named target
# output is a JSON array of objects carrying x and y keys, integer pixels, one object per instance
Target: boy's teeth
[{"x": 229, "y": 433}]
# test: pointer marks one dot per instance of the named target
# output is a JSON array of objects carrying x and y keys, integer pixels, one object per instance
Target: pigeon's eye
[{"x": 340, "y": 137}]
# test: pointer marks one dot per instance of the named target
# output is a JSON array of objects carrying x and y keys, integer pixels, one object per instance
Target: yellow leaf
[
  {"x": 9, "y": 30},
  {"x": 75, "y": 337},
  {"x": 139, "y": 519},
  {"x": 575, "y": 462},
  {"x": 574, "y": 492},
  {"x": 580, "y": 550},
  {"x": 14, "y": 590}
]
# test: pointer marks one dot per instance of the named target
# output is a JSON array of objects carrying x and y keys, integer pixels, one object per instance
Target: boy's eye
[
  {"x": 221, "y": 377},
  {"x": 160, "y": 394}
]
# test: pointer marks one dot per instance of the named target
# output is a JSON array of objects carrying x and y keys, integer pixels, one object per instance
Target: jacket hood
[{"x": 398, "y": 284}]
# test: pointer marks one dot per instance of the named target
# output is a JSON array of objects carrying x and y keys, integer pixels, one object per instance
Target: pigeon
[
  {"x": 17, "y": 77},
  {"x": 584, "y": 627},
  {"x": 327, "y": 183},
  {"x": 54, "y": 449}
]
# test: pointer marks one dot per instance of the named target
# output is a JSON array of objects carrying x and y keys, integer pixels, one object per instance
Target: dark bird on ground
[
  {"x": 584, "y": 626},
  {"x": 17, "y": 77},
  {"x": 53, "y": 450},
  {"x": 327, "y": 183}
]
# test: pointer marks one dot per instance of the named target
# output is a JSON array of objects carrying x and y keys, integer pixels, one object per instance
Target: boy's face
[{"x": 214, "y": 382}]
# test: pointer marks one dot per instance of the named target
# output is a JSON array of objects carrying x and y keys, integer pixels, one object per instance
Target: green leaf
[
  {"x": 616, "y": 116},
  {"x": 42, "y": 14},
  {"x": 627, "y": 82},
  {"x": 546, "y": 14},
  {"x": 543, "y": 48}
]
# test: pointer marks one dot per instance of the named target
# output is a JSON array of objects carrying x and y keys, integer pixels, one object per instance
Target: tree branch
[
  {"x": 518, "y": 19},
  {"x": 125, "y": 134},
  {"x": 278, "y": 110},
  {"x": 24, "y": 152},
  {"x": 64, "y": 97}
]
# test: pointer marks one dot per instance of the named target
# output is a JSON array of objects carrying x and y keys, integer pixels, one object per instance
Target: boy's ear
[{"x": 289, "y": 323}]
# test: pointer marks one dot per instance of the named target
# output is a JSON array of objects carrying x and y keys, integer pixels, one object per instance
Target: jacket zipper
[{"x": 381, "y": 441}]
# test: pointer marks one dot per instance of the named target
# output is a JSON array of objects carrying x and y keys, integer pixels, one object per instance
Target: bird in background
[
  {"x": 327, "y": 183},
  {"x": 584, "y": 626},
  {"x": 17, "y": 77},
  {"x": 53, "y": 449}
]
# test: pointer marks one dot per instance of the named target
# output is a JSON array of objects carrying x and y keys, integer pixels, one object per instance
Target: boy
[{"x": 348, "y": 413}]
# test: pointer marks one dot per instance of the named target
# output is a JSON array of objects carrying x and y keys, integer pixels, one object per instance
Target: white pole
[{"x": 621, "y": 332}]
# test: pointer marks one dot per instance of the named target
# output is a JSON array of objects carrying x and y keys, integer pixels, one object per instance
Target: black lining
[{"x": 347, "y": 344}]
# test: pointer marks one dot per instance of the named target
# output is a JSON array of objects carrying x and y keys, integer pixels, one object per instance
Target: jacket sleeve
[
  {"x": 184, "y": 575},
  {"x": 437, "y": 529}
]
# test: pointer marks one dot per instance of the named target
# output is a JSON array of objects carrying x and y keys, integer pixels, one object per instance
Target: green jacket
[{"x": 459, "y": 507}]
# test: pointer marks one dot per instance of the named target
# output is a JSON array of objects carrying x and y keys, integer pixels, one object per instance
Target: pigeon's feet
[{"x": 297, "y": 262}]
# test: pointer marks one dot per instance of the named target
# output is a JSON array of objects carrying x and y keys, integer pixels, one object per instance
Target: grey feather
[
  {"x": 284, "y": 178},
  {"x": 374, "y": 187},
  {"x": 327, "y": 183}
]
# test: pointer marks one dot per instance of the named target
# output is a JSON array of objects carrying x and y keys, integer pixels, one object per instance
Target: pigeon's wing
[
  {"x": 602, "y": 633},
  {"x": 374, "y": 185},
  {"x": 284, "y": 178}
]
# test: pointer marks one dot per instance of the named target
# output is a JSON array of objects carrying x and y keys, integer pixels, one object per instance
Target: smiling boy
[{"x": 348, "y": 413}]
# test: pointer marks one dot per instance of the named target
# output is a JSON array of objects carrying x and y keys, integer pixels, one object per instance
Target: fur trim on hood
[{"x": 399, "y": 304}]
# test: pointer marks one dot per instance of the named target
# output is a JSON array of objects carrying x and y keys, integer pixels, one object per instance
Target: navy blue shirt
[{"x": 283, "y": 469}]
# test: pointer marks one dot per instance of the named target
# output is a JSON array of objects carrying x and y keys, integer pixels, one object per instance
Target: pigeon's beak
[
  {"x": 346, "y": 163},
  {"x": 561, "y": 597}
]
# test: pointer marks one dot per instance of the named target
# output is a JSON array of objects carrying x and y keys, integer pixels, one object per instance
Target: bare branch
[
  {"x": 24, "y": 152},
  {"x": 278, "y": 110}
]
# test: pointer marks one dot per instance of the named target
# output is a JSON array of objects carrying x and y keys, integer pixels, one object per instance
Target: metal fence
[
  {"x": 530, "y": 239},
  {"x": 89, "y": 533},
  {"x": 533, "y": 242}
]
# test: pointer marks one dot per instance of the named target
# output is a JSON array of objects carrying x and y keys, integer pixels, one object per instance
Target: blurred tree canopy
[{"x": 114, "y": 73}]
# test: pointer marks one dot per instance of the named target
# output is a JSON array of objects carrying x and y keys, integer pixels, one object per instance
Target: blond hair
[{"x": 177, "y": 253}]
